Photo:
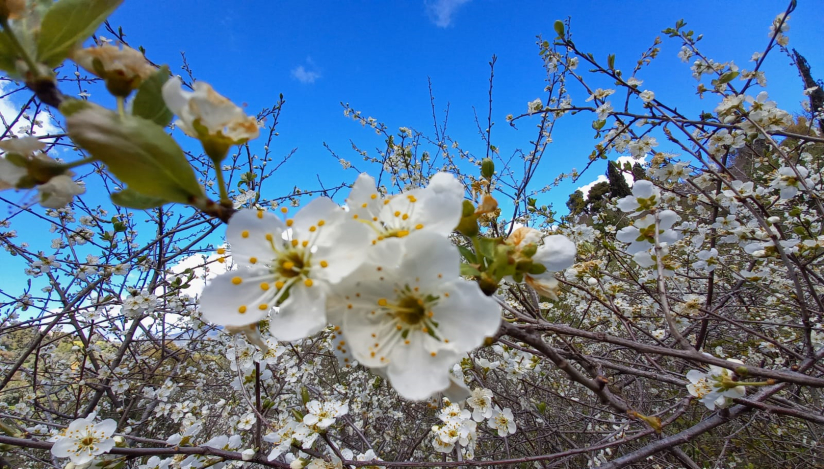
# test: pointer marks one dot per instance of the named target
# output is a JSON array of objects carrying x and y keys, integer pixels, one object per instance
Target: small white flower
[
  {"x": 303, "y": 256},
  {"x": 503, "y": 421},
  {"x": 84, "y": 440},
  {"x": 407, "y": 309}
]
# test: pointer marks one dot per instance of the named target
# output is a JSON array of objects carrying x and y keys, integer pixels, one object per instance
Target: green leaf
[
  {"x": 611, "y": 61},
  {"x": 132, "y": 199},
  {"x": 468, "y": 254},
  {"x": 727, "y": 77},
  {"x": 487, "y": 246},
  {"x": 137, "y": 151},
  {"x": 559, "y": 28},
  {"x": 148, "y": 103},
  {"x": 68, "y": 23},
  {"x": 469, "y": 271},
  {"x": 8, "y": 55}
]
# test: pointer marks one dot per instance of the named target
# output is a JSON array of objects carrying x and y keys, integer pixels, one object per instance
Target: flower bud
[
  {"x": 487, "y": 168},
  {"x": 122, "y": 69}
]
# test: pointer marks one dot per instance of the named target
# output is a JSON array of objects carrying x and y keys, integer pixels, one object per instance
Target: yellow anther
[
  {"x": 295, "y": 243},
  {"x": 403, "y": 233},
  {"x": 284, "y": 209},
  {"x": 405, "y": 216},
  {"x": 398, "y": 327},
  {"x": 425, "y": 330},
  {"x": 386, "y": 202},
  {"x": 382, "y": 302},
  {"x": 253, "y": 260},
  {"x": 260, "y": 214},
  {"x": 263, "y": 307},
  {"x": 244, "y": 233},
  {"x": 429, "y": 314},
  {"x": 321, "y": 222},
  {"x": 264, "y": 286},
  {"x": 237, "y": 280},
  {"x": 419, "y": 226},
  {"x": 241, "y": 310},
  {"x": 288, "y": 265},
  {"x": 397, "y": 213},
  {"x": 221, "y": 250},
  {"x": 324, "y": 264},
  {"x": 374, "y": 218},
  {"x": 313, "y": 228},
  {"x": 412, "y": 198},
  {"x": 308, "y": 282},
  {"x": 373, "y": 196},
  {"x": 304, "y": 243},
  {"x": 355, "y": 216},
  {"x": 223, "y": 259},
  {"x": 279, "y": 284},
  {"x": 433, "y": 353},
  {"x": 406, "y": 341},
  {"x": 349, "y": 306},
  {"x": 290, "y": 222},
  {"x": 269, "y": 237},
  {"x": 364, "y": 205}
]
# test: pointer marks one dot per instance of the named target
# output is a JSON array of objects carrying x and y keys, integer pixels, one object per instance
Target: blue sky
[{"x": 378, "y": 55}]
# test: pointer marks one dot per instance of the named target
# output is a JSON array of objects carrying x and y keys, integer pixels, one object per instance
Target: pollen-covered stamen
[{"x": 409, "y": 311}]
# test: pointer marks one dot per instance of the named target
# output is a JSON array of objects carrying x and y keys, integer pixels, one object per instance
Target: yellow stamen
[
  {"x": 288, "y": 265},
  {"x": 221, "y": 250},
  {"x": 321, "y": 222},
  {"x": 373, "y": 196},
  {"x": 264, "y": 286},
  {"x": 253, "y": 260},
  {"x": 263, "y": 307},
  {"x": 312, "y": 229},
  {"x": 382, "y": 302},
  {"x": 290, "y": 222},
  {"x": 308, "y": 282},
  {"x": 241, "y": 310},
  {"x": 244, "y": 233},
  {"x": 324, "y": 264},
  {"x": 419, "y": 226},
  {"x": 260, "y": 214},
  {"x": 279, "y": 284},
  {"x": 295, "y": 243},
  {"x": 284, "y": 209},
  {"x": 237, "y": 280}
]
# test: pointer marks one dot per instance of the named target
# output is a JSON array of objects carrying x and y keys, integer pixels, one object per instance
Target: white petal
[
  {"x": 301, "y": 315},
  {"x": 247, "y": 234},
  {"x": 415, "y": 373},
  {"x": 429, "y": 260},
  {"x": 63, "y": 447},
  {"x": 556, "y": 254},
  {"x": 106, "y": 427},
  {"x": 466, "y": 316},
  {"x": 223, "y": 300},
  {"x": 364, "y": 200}
]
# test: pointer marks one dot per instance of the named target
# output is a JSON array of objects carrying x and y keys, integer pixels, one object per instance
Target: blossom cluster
[{"x": 383, "y": 271}]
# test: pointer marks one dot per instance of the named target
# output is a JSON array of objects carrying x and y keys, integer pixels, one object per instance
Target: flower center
[
  {"x": 88, "y": 441},
  {"x": 291, "y": 264},
  {"x": 410, "y": 309}
]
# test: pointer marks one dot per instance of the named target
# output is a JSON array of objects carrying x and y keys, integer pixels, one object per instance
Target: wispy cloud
[
  {"x": 441, "y": 11},
  {"x": 306, "y": 73}
]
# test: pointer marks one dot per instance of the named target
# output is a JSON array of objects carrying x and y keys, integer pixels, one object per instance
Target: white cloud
[
  {"x": 9, "y": 110},
  {"x": 303, "y": 75},
  {"x": 585, "y": 188},
  {"x": 627, "y": 177},
  {"x": 441, "y": 11}
]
